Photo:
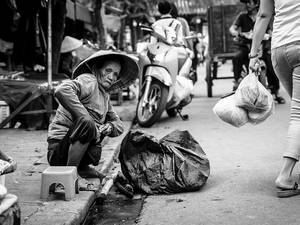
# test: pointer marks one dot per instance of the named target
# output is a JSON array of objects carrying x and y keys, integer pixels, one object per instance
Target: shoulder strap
[{"x": 170, "y": 25}]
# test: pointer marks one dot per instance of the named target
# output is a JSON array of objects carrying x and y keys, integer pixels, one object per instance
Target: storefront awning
[{"x": 198, "y": 7}]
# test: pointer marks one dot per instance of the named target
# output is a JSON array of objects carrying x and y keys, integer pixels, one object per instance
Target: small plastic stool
[{"x": 64, "y": 175}]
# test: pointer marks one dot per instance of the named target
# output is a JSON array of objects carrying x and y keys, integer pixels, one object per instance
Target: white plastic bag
[
  {"x": 183, "y": 88},
  {"x": 251, "y": 94},
  {"x": 227, "y": 111},
  {"x": 257, "y": 116},
  {"x": 255, "y": 98}
]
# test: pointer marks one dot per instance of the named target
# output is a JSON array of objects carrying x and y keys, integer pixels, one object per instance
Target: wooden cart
[{"x": 221, "y": 45}]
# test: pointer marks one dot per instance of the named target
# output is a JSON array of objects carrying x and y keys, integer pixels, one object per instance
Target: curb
[{"x": 81, "y": 214}]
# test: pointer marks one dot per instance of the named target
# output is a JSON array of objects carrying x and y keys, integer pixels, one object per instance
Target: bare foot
[
  {"x": 89, "y": 172},
  {"x": 85, "y": 185},
  {"x": 283, "y": 183}
]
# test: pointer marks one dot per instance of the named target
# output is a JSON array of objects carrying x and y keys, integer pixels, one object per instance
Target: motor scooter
[{"x": 165, "y": 82}]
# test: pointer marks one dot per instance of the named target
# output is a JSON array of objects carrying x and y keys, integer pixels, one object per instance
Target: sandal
[
  {"x": 85, "y": 185},
  {"x": 285, "y": 193},
  {"x": 126, "y": 189},
  {"x": 123, "y": 186}
]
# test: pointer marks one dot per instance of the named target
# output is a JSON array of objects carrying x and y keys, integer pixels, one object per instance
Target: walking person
[
  {"x": 68, "y": 57},
  {"x": 188, "y": 43},
  {"x": 184, "y": 23},
  {"x": 285, "y": 53},
  {"x": 241, "y": 26},
  {"x": 164, "y": 24},
  {"x": 85, "y": 115}
]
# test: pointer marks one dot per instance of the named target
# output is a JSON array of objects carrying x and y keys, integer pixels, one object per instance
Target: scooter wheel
[{"x": 157, "y": 100}]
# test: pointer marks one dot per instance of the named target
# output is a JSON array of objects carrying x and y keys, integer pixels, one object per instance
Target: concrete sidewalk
[{"x": 29, "y": 149}]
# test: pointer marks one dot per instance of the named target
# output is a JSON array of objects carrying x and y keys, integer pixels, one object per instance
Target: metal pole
[{"x": 49, "y": 53}]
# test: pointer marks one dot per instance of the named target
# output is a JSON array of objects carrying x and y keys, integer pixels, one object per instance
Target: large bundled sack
[
  {"x": 174, "y": 164},
  {"x": 227, "y": 110}
]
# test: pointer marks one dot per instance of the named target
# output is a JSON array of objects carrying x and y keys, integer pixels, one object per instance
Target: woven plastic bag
[{"x": 227, "y": 111}]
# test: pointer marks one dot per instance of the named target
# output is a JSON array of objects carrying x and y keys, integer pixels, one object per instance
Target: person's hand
[
  {"x": 191, "y": 53},
  {"x": 247, "y": 35},
  {"x": 254, "y": 64},
  {"x": 105, "y": 129},
  {"x": 267, "y": 37},
  {"x": 235, "y": 33}
]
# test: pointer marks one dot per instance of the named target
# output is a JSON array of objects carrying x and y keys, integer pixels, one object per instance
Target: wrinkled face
[{"x": 108, "y": 74}]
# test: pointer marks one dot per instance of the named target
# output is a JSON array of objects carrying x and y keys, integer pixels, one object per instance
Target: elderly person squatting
[{"x": 85, "y": 115}]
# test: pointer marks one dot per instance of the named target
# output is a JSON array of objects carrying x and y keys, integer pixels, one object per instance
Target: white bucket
[{"x": 4, "y": 112}]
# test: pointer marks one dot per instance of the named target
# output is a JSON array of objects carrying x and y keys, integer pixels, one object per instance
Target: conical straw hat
[
  {"x": 129, "y": 67},
  {"x": 70, "y": 44}
]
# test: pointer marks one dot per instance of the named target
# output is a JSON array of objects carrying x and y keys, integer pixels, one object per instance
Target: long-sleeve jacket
[{"x": 82, "y": 97}]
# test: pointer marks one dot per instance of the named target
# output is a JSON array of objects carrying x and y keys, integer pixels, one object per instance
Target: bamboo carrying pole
[{"x": 49, "y": 51}]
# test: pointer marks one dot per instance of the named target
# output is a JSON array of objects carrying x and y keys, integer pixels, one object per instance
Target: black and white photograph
[{"x": 149, "y": 112}]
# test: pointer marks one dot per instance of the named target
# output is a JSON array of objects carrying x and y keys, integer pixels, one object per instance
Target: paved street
[
  {"x": 244, "y": 163},
  {"x": 240, "y": 189}
]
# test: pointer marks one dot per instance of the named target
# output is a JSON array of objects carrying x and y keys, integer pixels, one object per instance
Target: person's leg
[
  {"x": 245, "y": 58},
  {"x": 273, "y": 81},
  {"x": 283, "y": 69},
  {"x": 76, "y": 152},
  {"x": 71, "y": 149},
  {"x": 55, "y": 156},
  {"x": 291, "y": 156},
  {"x": 237, "y": 62},
  {"x": 271, "y": 76},
  {"x": 91, "y": 157},
  {"x": 240, "y": 59},
  {"x": 286, "y": 65},
  {"x": 81, "y": 135}
]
